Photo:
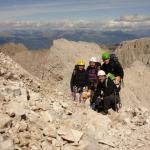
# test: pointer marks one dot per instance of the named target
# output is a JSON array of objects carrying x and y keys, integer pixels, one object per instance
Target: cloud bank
[
  {"x": 131, "y": 22},
  {"x": 124, "y": 23}
]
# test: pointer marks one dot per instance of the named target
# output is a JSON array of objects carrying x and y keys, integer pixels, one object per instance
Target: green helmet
[{"x": 105, "y": 56}]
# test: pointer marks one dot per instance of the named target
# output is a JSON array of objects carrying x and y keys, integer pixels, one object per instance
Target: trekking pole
[
  {"x": 74, "y": 91},
  {"x": 120, "y": 104},
  {"x": 116, "y": 107},
  {"x": 121, "y": 84}
]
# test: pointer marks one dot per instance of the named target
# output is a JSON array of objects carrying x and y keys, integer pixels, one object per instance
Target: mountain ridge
[{"x": 36, "y": 39}]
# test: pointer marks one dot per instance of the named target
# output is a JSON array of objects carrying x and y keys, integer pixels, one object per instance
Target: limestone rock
[
  {"x": 64, "y": 105},
  {"x": 95, "y": 125},
  {"x": 50, "y": 131},
  {"x": 41, "y": 105},
  {"x": 12, "y": 91},
  {"x": 130, "y": 51},
  {"x": 47, "y": 146},
  {"x": 24, "y": 138},
  {"x": 148, "y": 120},
  {"x": 17, "y": 92},
  {"x": 5, "y": 120},
  {"x": 46, "y": 116},
  {"x": 73, "y": 136},
  {"x": 16, "y": 108},
  {"x": 57, "y": 107},
  {"x": 6, "y": 145},
  {"x": 23, "y": 126}
]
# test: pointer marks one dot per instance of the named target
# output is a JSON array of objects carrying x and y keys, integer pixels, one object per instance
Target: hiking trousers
[
  {"x": 110, "y": 102},
  {"x": 78, "y": 91}
]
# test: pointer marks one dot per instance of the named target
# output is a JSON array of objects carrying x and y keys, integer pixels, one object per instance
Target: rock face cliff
[
  {"x": 136, "y": 85},
  {"x": 135, "y": 50}
]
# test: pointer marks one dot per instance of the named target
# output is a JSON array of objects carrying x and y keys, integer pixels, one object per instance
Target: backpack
[
  {"x": 117, "y": 107},
  {"x": 106, "y": 82},
  {"x": 75, "y": 69},
  {"x": 114, "y": 58}
]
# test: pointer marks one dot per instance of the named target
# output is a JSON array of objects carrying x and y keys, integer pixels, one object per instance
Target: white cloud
[
  {"x": 66, "y": 24},
  {"x": 124, "y": 23},
  {"x": 129, "y": 22},
  {"x": 134, "y": 18}
]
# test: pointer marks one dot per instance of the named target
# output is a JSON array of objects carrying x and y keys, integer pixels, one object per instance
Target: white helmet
[
  {"x": 93, "y": 59},
  {"x": 101, "y": 73}
]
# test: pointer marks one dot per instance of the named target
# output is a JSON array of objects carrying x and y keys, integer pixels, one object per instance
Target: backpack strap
[
  {"x": 74, "y": 72},
  {"x": 106, "y": 82}
]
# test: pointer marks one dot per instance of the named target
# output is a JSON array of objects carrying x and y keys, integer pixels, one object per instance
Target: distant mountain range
[{"x": 43, "y": 39}]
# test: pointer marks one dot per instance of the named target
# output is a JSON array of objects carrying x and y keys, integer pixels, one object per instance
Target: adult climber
[
  {"x": 92, "y": 71},
  {"x": 113, "y": 70},
  {"x": 104, "y": 96},
  {"x": 79, "y": 81}
]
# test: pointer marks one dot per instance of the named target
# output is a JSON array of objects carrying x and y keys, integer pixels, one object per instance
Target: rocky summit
[
  {"x": 135, "y": 50},
  {"x": 39, "y": 113}
]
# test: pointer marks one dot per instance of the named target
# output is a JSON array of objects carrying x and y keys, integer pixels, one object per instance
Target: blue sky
[
  {"x": 56, "y": 10},
  {"x": 74, "y": 10}
]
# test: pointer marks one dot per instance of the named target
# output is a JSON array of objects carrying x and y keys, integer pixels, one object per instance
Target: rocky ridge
[
  {"x": 135, "y": 50},
  {"x": 33, "y": 119},
  {"x": 54, "y": 66}
]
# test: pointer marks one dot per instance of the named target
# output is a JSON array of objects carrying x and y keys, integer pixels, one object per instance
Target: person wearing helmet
[
  {"x": 92, "y": 72},
  {"x": 104, "y": 96},
  {"x": 79, "y": 81},
  {"x": 113, "y": 69}
]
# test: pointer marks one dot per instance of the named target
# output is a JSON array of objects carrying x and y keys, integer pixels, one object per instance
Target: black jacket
[
  {"x": 104, "y": 89},
  {"x": 79, "y": 79},
  {"x": 114, "y": 68}
]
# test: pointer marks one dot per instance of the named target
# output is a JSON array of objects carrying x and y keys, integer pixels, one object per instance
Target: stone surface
[
  {"x": 72, "y": 136},
  {"x": 130, "y": 51},
  {"x": 5, "y": 120},
  {"x": 50, "y": 131},
  {"x": 46, "y": 116},
  {"x": 47, "y": 146},
  {"x": 16, "y": 108},
  {"x": 49, "y": 119},
  {"x": 6, "y": 145}
]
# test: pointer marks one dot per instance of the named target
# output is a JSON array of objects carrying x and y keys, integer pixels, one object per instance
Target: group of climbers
[{"x": 101, "y": 83}]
